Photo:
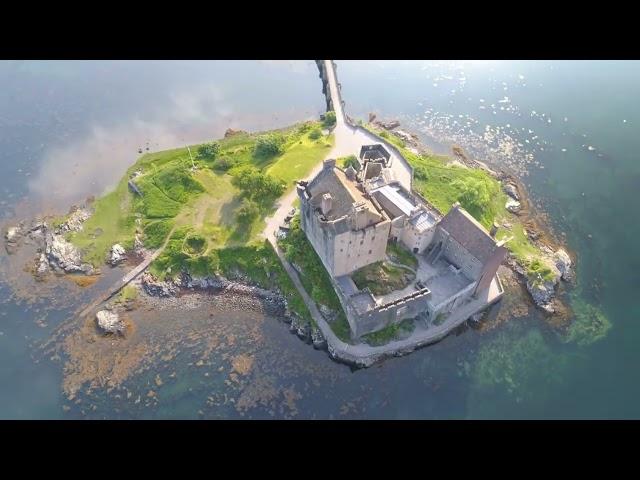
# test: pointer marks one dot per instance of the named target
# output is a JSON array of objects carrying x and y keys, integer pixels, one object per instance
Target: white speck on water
[
  {"x": 624, "y": 121},
  {"x": 564, "y": 149},
  {"x": 590, "y": 148},
  {"x": 566, "y": 119}
]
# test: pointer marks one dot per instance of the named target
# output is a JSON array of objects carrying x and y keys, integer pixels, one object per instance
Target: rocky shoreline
[
  {"x": 272, "y": 302},
  {"x": 543, "y": 292}
]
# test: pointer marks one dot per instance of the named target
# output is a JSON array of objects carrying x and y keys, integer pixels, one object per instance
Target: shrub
[
  {"x": 315, "y": 134},
  {"x": 223, "y": 164},
  {"x": 247, "y": 211},
  {"x": 305, "y": 127},
  {"x": 156, "y": 232},
  {"x": 209, "y": 150},
  {"x": 330, "y": 119},
  {"x": 269, "y": 145},
  {"x": 420, "y": 172},
  {"x": 351, "y": 161}
]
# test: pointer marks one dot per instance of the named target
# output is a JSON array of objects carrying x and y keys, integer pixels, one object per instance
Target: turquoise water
[{"x": 69, "y": 129}]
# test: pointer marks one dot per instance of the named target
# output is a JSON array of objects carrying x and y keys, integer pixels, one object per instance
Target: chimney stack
[
  {"x": 326, "y": 203},
  {"x": 494, "y": 230},
  {"x": 329, "y": 163}
]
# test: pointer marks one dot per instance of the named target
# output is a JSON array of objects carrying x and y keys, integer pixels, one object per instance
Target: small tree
[
  {"x": 420, "y": 172},
  {"x": 256, "y": 185},
  {"x": 473, "y": 194},
  {"x": 330, "y": 119},
  {"x": 209, "y": 150},
  {"x": 223, "y": 164}
]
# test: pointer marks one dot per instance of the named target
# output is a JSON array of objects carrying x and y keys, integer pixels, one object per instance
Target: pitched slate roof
[
  {"x": 469, "y": 233},
  {"x": 343, "y": 192}
]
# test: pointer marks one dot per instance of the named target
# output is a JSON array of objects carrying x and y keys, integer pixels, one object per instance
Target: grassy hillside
[{"x": 210, "y": 219}]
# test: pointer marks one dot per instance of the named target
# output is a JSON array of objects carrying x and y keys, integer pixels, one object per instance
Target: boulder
[
  {"x": 62, "y": 255},
  {"x": 110, "y": 322},
  {"x": 75, "y": 221},
  {"x": 156, "y": 288},
  {"x": 563, "y": 264},
  {"x": 117, "y": 254},
  {"x": 511, "y": 190},
  {"x": 318, "y": 340},
  {"x": 13, "y": 233},
  {"x": 230, "y": 132},
  {"x": 544, "y": 292},
  {"x": 513, "y": 205},
  {"x": 390, "y": 125},
  {"x": 12, "y": 237}
]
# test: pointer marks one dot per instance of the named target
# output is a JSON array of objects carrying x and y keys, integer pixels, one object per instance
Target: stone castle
[{"x": 349, "y": 216}]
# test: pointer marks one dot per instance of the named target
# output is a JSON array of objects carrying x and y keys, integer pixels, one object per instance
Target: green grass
[
  {"x": 205, "y": 199},
  {"x": 442, "y": 183},
  {"x": 382, "y": 278},
  {"x": 389, "y": 333},
  {"x": 300, "y": 158},
  {"x": 341, "y": 329},
  {"x": 400, "y": 254},
  {"x": 129, "y": 292},
  {"x": 113, "y": 221}
]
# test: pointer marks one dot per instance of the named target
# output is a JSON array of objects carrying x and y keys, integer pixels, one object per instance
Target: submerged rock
[
  {"x": 110, "y": 322},
  {"x": 117, "y": 254},
  {"x": 43, "y": 265}
]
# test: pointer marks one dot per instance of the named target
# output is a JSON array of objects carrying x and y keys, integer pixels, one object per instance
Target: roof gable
[{"x": 469, "y": 233}]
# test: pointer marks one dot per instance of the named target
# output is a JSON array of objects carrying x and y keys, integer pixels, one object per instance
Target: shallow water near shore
[{"x": 70, "y": 129}]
